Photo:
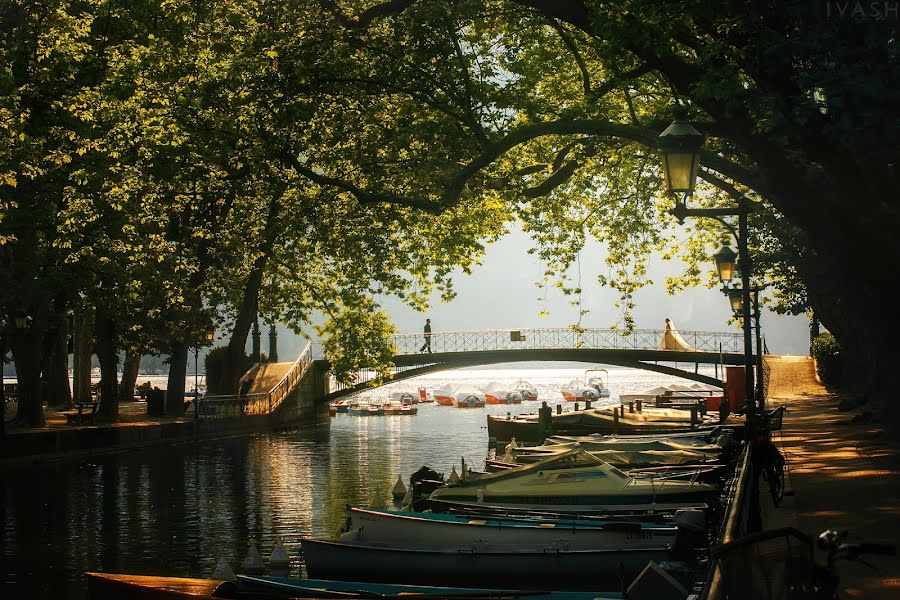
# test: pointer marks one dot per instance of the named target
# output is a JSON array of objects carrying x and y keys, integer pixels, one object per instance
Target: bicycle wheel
[{"x": 774, "y": 474}]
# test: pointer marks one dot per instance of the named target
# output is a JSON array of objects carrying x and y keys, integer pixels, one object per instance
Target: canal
[{"x": 176, "y": 510}]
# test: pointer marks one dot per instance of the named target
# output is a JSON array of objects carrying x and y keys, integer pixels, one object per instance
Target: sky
[{"x": 502, "y": 294}]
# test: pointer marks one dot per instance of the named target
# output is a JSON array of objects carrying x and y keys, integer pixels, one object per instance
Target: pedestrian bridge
[{"x": 638, "y": 349}]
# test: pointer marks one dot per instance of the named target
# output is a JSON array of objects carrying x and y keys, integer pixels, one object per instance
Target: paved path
[{"x": 843, "y": 476}]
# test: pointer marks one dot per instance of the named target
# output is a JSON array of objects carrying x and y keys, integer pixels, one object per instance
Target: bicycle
[{"x": 825, "y": 578}]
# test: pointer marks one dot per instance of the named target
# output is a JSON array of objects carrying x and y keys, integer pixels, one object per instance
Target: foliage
[
  {"x": 827, "y": 353},
  {"x": 357, "y": 337}
]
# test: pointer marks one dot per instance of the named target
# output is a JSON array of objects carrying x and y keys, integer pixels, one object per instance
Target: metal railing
[
  {"x": 221, "y": 406},
  {"x": 563, "y": 338}
]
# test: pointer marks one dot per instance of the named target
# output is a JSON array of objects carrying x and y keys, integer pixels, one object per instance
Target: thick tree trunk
[
  {"x": 106, "y": 352},
  {"x": 233, "y": 360},
  {"x": 26, "y": 348},
  {"x": 177, "y": 372},
  {"x": 81, "y": 354},
  {"x": 129, "y": 376}
]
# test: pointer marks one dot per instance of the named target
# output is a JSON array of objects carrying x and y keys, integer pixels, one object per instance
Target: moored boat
[
  {"x": 599, "y": 380},
  {"x": 405, "y": 528},
  {"x": 497, "y": 393},
  {"x": 404, "y": 394},
  {"x": 578, "y": 390},
  {"x": 494, "y": 565},
  {"x": 528, "y": 391},
  {"x": 573, "y": 481},
  {"x": 444, "y": 394}
]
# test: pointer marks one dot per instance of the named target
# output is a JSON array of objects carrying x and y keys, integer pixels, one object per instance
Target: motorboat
[
  {"x": 406, "y": 528},
  {"x": 497, "y": 393},
  {"x": 599, "y": 380},
  {"x": 578, "y": 390},
  {"x": 342, "y": 405},
  {"x": 531, "y": 566},
  {"x": 528, "y": 391},
  {"x": 363, "y": 408},
  {"x": 574, "y": 481}
]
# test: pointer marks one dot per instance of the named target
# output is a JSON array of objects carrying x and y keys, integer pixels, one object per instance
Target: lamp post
[
  {"x": 208, "y": 337},
  {"x": 680, "y": 144}
]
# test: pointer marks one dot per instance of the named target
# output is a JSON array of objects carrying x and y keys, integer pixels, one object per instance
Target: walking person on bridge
[
  {"x": 672, "y": 340},
  {"x": 427, "y": 344}
]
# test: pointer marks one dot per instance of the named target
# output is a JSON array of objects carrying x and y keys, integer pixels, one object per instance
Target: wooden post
[
  {"x": 631, "y": 407},
  {"x": 559, "y": 409},
  {"x": 639, "y": 405},
  {"x": 587, "y": 405}
]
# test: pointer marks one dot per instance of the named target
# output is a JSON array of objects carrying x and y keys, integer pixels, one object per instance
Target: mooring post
[
  {"x": 559, "y": 409},
  {"x": 639, "y": 405},
  {"x": 576, "y": 407}
]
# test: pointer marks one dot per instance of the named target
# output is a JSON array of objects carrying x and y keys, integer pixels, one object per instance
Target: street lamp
[
  {"x": 20, "y": 322},
  {"x": 736, "y": 299},
  {"x": 680, "y": 144}
]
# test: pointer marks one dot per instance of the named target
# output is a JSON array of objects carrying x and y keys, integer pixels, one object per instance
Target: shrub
[{"x": 827, "y": 353}]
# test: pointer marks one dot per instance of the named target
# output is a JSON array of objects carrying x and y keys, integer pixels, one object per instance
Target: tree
[{"x": 564, "y": 101}]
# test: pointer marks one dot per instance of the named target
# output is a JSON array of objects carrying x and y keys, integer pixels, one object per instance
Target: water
[{"x": 177, "y": 510}]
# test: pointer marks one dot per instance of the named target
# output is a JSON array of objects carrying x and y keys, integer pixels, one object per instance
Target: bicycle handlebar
[{"x": 884, "y": 549}]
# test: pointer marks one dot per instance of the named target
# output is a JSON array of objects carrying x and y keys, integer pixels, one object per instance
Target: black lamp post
[
  {"x": 680, "y": 144},
  {"x": 208, "y": 337}
]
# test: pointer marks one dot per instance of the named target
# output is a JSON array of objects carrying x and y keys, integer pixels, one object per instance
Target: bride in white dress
[{"x": 671, "y": 340}]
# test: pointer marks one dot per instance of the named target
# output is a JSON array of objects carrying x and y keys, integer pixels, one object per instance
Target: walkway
[{"x": 843, "y": 476}]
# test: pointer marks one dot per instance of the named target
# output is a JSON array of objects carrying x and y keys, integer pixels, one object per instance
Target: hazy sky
[{"x": 502, "y": 293}]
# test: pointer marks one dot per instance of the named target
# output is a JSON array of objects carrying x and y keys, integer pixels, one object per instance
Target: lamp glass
[
  {"x": 209, "y": 336},
  {"x": 725, "y": 263},
  {"x": 680, "y": 171},
  {"x": 736, "y": 299},
  {"x": 20, "y": 321}
]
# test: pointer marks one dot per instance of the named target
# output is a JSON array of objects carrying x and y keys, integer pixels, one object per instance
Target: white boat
[
  {"x": 578, "y": 390},
  {"x": 468, "y": 397},
  {"x": 573, "y": 481},
  {"x": 497, "y": 393},
  {"x": 395, "y": 407},
  {"x": 405, "y": 528},
  {"x": 404, "y": 394},
  {"x": 599, "y": 380},
  {"x": 528, "y": 391},
  {"x": 444, "y": 394}
]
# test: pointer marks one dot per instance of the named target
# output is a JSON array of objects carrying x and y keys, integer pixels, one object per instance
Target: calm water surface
[{"x": 177, "y": 510}]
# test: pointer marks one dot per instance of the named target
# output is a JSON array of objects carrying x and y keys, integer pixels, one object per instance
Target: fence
[
  {"x": 217, "y": 407},
  {"x": 563, "y": 338}
]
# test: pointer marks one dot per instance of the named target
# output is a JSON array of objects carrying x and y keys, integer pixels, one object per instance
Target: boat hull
[
  {"x": 537, "y": 567},
  {"x": 408, "y": 528}
]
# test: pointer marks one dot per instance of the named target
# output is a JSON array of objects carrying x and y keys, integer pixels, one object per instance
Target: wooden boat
[
  {"x": 522, "y": 566},
  {"x": 113, "y": 586},
  {"x": 343, "y": 405},
  {"x": 318, "y": 588},
  {"x": 497, "y": 393},
  {"x": 528, "y": 391},
  {"x": 527, "y": 428},
  {"x": 623, "y": 459},
  {"x": 573, "y": 481},
  {"x": 410, "y": 528}
]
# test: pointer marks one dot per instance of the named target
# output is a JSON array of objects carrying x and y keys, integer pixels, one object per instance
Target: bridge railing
[
  {"x": 563, "y": 337},
  {"x": 217, "y": 407}
]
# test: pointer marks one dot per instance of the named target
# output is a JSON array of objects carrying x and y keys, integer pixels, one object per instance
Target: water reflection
[{"x": 177, "y": 510}]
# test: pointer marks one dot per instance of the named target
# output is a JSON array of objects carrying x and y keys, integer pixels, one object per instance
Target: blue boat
[{"x": 349, "y": 589}]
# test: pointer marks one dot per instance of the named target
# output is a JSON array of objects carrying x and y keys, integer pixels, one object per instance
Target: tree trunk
[
  {"x": 81, "y": 353},
  {"x": 26, "y": 348},
  {"x": 129, "y": 376},
  {"x": 177, "y": 373},
  {"x": 106, "y": 352},
  {"x": 56, "y": 359},
  {"x": 233, "y": 360},
  {"x": 233, "y": 357}
]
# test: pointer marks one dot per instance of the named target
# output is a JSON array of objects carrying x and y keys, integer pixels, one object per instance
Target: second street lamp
[
  {"x": 680, "y": 145},
  {"x": 725, "y": 259}
]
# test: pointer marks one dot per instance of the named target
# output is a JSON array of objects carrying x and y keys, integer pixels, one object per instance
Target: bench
[{"x": 85, "y": 413}]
